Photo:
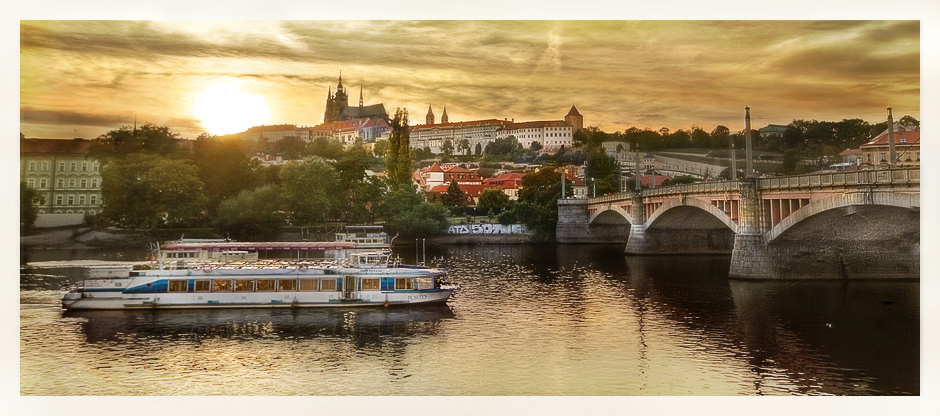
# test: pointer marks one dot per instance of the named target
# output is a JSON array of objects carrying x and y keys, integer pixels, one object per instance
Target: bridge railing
[{"x": 905, "y": 176}]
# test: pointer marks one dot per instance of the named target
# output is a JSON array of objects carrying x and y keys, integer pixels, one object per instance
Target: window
[
  {"x": 422, "y": 283},
  {"x": 58, "y": 200},
  {"x": 328, "y": 284},
  {"x": 72, "y": 167},
  {"x": 244, "y": 285},
  {"x": 265, "y": 285},
  {"x": 286, "y": 285},
  {"x": 202, "y": 286},
  {"x": 83, "y": 183},
  {"x": 94, "y": 199},
  {"x": 221, "y": 285},
  {"x": 94, "y": 167},
  {"x": 308, "y": 285},
  {"x": 32, "y": 166},
  {"x": 61, "y": 166},
  {"x": 71, "y": 183},
  {"x": 177, "y": 286},
  {"x": 371, "y": 284},
  {"x": 84, "y": 166},
  {"x": 404, "y": 283},
  {"x": 902, "y": 140},
  {"x": 71, "y": 199},
  {"x": 31, "y": 183},
  {"x": 42, "y": 183},
  {"x": 45, "y": 166},
  {"x": 94, "y": 183},
  {"x": 81, "y": 200},
  {"x": 60, "y": 183}
]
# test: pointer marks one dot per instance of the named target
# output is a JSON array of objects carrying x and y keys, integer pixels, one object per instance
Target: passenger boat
[{"x": 362, "y": 279}]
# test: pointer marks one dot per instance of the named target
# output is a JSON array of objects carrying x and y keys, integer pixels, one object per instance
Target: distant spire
[
  {"x": 444, "y": 115},
  {"x": 360, "y": 96},
  {"x": 429, "y": 119},
  {"x": 339, "y": 87}
]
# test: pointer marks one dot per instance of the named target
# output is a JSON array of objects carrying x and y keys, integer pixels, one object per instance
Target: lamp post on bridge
[
  {"x": 748, "y": 153},
  {"x": 891, "y": 151}
]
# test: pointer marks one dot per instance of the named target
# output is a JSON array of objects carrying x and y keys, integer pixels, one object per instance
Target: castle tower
[
  {"x": 429, "y": 119},
  {"x": 337, "y": 103},
  {"x": 444, "y": 116},
  {"x": 574, "y": 119}
]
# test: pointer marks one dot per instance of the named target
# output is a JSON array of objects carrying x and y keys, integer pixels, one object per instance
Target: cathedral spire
[
  {"x": 444, "y": 115},
  {"x": 429, "y": 119},
  {"x": 360, "y": 96},
  {"x": 339, "y": 87}
]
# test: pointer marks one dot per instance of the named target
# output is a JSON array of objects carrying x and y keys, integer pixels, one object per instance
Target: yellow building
[{"x": 66, "y": 178}]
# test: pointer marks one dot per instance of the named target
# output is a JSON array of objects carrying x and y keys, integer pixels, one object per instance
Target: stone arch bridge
[{"x": 863, "y": 224}]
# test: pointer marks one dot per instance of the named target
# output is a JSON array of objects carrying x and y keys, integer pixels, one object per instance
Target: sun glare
[{"x": 223, "y": 109}]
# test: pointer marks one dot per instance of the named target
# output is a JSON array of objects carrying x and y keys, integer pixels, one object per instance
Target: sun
[{"x": 223, "y": 109}]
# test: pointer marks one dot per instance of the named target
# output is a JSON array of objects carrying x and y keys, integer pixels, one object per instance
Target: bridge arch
[
  {"x": 612, "y": 209},
  {"x": 892, "y": 199},
  {"x": 693, "y": 202}
]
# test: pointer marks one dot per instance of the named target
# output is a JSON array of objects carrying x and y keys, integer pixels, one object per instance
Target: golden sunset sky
[{"x": 81, "y": 78}]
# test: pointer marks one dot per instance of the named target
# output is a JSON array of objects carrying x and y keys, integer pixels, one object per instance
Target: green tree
[
  {"x": 454, "y": 197},
  {"x": 147, "y": 191},
  {"x": 792, "y": 162},
  {"x": 493, "y": 199},
  {"x": 463, "y": 145},
  {"x": 309, "y": 187},
  {"x": 503, "y": 146},
  {"x": 604, "y": 171},
  {"x": 398, "y": 156},
  {"x": 407, "y": 214},
  {"x": 325, "y": 148},
  {"x": 149, "y": 138},
  {"x": 224, "y": 169},
  {"x": 379, "y": 148},
  {"x": 289, "y": 147},
  {"x": 29, "y": 212},
  {"x": 537, "y": 206},
  {"x": 447, "y": 148},
  {"x": 253, "y": 215}
]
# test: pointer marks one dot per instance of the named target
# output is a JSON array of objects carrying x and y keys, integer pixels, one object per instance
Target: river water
[{"x": 527, "y": 320}]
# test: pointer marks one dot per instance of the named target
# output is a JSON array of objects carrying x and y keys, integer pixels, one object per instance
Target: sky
[{"x": 81, "y": 78}]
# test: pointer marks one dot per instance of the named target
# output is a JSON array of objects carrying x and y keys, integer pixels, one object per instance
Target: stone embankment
[{"x": 81, "y": 237}]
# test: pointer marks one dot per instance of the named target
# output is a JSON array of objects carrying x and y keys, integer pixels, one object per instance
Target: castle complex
[{"x": 338, "y": 109}]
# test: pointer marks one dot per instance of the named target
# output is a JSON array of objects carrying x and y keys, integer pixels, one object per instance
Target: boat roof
[{"x": 269, "y": 245}]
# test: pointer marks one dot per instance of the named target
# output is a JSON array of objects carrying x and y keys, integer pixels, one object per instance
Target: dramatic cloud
[{"x": 619, "y": 73}]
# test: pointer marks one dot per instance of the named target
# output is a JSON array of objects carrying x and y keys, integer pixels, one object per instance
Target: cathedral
[{"x": 338, "y": 109}]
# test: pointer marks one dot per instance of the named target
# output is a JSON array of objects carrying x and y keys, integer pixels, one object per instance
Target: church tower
[
  {"x": 336, "y": 103},
  {"x": 574, "y": 119},
  {"x": 429, "y": 119},
  {"x": 444, "y": 116}
]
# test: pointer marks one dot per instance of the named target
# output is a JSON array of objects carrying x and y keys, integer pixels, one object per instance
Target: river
[{"x": 528, "y": 320}]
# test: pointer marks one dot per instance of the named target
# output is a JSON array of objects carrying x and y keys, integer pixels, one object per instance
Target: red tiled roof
[
  {"x": 74, "y": 146},
  {"x": 573, "y": 111},
  {"x": 434, "y": 168},
  {"x": 850, "y": 152},
  {"x": 908, "y": 137}
]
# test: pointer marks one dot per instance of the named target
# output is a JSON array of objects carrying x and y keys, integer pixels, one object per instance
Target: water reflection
[
  {"x": 361, "y": 326},
  {"x": 835, "y": 337}
]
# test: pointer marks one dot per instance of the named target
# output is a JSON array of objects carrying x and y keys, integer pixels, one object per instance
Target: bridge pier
[
  {"x": 749, "y": 259},
  {"x": 636, "y": 242}
]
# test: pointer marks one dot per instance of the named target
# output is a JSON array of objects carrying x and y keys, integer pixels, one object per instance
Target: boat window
[
  {"x": 287, "y": 285},
  {"x": 328, "y": 284},
  {"x": 308, "y": 285},
  {"x": 177, "y": 286},
  {"x": 404, "y": 283},
  {"x": 244, "y": 285},
  {"x": 422, "y": 283},
  {"x": 371, "y": 284},
  {"x": 265, "y": 285},
  {"x": 202, "y": 286},
  {"x": 221, "y": 285}
]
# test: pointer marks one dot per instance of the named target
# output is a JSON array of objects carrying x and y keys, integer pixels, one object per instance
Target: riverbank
[{"x": 88, "y": 237}]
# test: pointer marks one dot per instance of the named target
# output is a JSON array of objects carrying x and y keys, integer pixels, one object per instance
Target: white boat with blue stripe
[{"x": 363, "y": 279}]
